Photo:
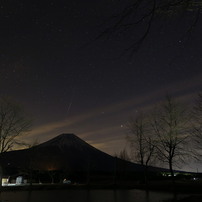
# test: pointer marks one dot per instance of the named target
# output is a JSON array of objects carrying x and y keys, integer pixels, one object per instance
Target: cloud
[{"x": 102, "y": 126}]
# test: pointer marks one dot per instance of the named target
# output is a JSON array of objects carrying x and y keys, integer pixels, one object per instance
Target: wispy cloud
[{"x": 102, "y": 126}]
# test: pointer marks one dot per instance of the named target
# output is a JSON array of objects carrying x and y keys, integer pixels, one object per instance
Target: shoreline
[{"x": 177, "y": 187}]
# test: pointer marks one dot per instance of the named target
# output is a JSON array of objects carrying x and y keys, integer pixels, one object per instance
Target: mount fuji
[{"x": 64, "y": 152}]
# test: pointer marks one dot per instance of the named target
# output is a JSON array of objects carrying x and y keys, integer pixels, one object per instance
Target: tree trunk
[
  {"x": 115, "y": 171},
  {"x": 171, "y": 170},
  {"x": 146, "y": 174},
  {"x": 1, "y": 175}
]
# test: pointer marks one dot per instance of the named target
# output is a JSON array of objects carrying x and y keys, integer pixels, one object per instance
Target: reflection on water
[{"x": 87, "y": 196}]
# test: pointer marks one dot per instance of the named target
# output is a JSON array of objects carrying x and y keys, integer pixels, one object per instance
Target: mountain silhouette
[
  {"x": 68, "y": 156},
  {"x": 64, "y": 152},
  {"x": 67, "y": 151}
]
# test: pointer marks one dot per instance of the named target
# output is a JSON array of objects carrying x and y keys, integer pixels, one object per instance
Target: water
[{"x": 87, "y": 196}]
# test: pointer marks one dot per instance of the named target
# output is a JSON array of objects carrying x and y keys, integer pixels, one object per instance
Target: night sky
[{"x": 70, "y": 82}]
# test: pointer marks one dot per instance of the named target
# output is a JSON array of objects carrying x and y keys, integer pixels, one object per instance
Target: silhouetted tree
[
  {"x": 1, "y": 175},
  {"x": 170, "y": 127},
  {"x": 34, "y": 143},
  {"x": 123, "y": 154},
  {"x": 141, "y": 141},
  {"x": 197, "y": 124},
  {"x": 140, "y": 14},
  {"x": 13, "y": 124}
]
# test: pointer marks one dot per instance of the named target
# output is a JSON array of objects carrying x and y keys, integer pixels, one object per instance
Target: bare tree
[
  {"x": 34, "y": 143},
  {"x": 13, "y": 124},
  {"x": 140, "y": 14},
  {"x": 142, "y": 143},
  {"x": 140, "y": 140},
  {"x": 170, "y": 126},
  {"x": 197, "y": 123},
  {"x": 123, "y": 154}
]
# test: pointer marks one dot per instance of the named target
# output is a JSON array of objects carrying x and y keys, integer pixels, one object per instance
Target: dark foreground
[{"x": 193, "y": 189}]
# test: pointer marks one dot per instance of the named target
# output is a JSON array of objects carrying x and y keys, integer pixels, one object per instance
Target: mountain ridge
[
  {"x": 67, "y": 152},
  {"x": 67, "y": 140}
]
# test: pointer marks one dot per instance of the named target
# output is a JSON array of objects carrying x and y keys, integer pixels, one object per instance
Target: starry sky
[{"x": 70, "y": 81}]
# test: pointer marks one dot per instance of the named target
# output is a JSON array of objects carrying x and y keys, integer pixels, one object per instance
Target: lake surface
[{"x": 87, "y": 196}]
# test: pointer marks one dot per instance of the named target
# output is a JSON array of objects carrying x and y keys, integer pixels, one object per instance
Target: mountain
[
  {"x": 68, "y": 156},
  {"x": 64, "y": 152},
  {"x": 67, "y": 151}
]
